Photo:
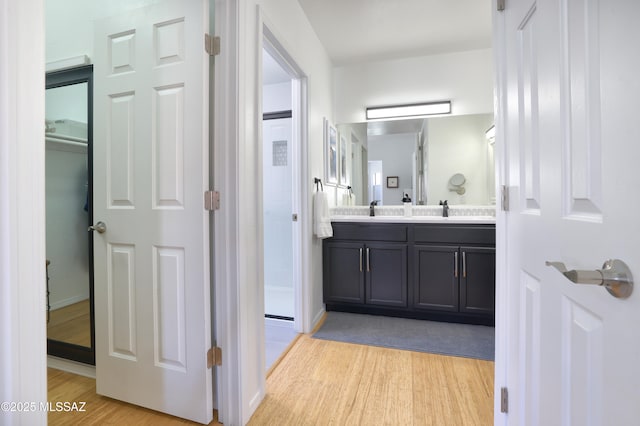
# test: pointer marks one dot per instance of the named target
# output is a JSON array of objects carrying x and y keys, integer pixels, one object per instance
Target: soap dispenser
[{"x": 406, "y": 201}]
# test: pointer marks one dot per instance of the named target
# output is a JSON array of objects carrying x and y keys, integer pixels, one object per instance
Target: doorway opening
[{"x": 282, "y": 106}]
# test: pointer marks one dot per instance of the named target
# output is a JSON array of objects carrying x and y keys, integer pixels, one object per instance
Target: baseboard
[
  {"x": 317, "y": 320},
  {"x": 71, "y": 366},
  {"x": 255, "y": 402},
  {"x": 66, "y": 302}
]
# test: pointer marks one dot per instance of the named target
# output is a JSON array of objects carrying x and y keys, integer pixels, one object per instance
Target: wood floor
[
  {"x": 322, "y": 382},
  {"x": 71, "y": 324}
]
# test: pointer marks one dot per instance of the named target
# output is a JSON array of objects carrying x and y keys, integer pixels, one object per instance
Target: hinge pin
[
  {"x": 504, "y": 400},
  {"x": 214, "y": 357},
  {"x": 211, "y": 200},
  {"x": 504, "y": 198},
  {"x": 212, "y": 44}
]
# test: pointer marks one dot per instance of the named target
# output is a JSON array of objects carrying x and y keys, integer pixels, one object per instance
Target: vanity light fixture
[{"x": 406, "y": 111}]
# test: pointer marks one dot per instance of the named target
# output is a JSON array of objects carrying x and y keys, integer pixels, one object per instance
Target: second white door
[{"x": 152, "y": 286}]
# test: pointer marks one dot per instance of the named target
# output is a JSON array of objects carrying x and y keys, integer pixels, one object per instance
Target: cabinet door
[
  {"x": 477, "y": 280},
  {"x": 435, "y": 278},
  {"x": 386, "y": 274},
  {"x": 343, "y": 272}
]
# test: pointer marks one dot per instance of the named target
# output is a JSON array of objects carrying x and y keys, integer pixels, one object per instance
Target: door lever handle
[
  {"x": 101, "y": 227},
  {"x": 615, "y": 276}
]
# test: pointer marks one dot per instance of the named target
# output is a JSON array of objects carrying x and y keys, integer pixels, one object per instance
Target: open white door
[
  {"x": 569, "y": 77},
  {"x": 152, "y": 287}
]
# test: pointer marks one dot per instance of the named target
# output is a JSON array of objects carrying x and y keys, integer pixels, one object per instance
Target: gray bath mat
[{"x": 464, "y": 340}]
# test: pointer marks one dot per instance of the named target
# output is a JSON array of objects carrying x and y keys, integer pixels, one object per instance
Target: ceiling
[{"x": 355, "y": 31}]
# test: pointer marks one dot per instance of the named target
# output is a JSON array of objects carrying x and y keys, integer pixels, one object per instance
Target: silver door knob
[
  {"x": 615, "y": 276},
  {"x": 101, "y": 227}
]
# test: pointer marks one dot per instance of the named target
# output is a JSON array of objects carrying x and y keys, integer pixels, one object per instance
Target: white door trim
[
  {"x": 23, "y": 354},
  {"x": 228, "y": 309},
  {"x": 502, "y": 304}
]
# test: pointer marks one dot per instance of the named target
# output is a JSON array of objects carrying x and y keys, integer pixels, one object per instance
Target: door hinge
[
  {"x": 504, "y": 198},
  {"x": 212, "y": 44},
  {"x": 211, "y": 200},
  {"x": 504, "y": 400},
  {"x": 501, "y": 4},
  {"x": 214, "y": 357}
]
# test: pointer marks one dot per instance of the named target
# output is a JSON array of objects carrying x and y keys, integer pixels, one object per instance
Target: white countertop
[{"x": 415, "y": 219}]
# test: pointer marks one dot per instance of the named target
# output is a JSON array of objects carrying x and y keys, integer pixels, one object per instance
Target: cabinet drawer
[
  {"x": 369, "y": 232},
  {"x": 452, "y": 234}
]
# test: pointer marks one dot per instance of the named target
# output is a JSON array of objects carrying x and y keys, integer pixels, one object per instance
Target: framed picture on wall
[
  {"x": 392, "y": 181},
  {"x": 342, "y": 161},
  {"x": 330, "y": 152}
]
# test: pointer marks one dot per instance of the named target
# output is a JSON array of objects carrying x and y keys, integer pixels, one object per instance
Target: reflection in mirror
[
  {"x": 68, "y": 214},
  {"x": 425, "y": 154}
]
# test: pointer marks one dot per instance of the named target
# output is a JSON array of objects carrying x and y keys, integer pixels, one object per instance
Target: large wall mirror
[
  {"x": 68, "y": 189},
  {"x": 429, "y": 159}
]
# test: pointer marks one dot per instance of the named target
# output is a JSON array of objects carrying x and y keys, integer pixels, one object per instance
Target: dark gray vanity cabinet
[
  {"x": 431, "y": 271},
  {"x": 343, "y": 271},
  {"x": 435, "y": 278},
  {"x": 477, "y": 280},
  {"x": 360, "y": 270},
  {"x": 454, "y": 279},
  {"x": 454, "y": 271},
  {"x": 386, "y": 274}
]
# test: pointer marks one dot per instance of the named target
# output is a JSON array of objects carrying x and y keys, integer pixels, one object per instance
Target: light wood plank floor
[
  {"x": 71, "y": 324},
  {"x": 322, "y": 382},
  {"x": 100, "y": 410}
]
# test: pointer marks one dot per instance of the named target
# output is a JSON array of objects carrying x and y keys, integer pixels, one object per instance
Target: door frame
[
  {"x": 269, "y": 41},
  {"x": 502, "y": 296},
  {"x": 23, "y": 353}
]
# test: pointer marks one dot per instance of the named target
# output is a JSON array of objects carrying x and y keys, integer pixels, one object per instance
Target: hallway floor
[
  {"x": 324, "y": 382},
  {"x": 278, "y": 336}
]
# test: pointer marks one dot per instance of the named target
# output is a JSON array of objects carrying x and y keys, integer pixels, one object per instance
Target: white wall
[
  {"x": 276, "y": 97},
  {"x": 465, "y": 78},
  {"x": 395, "y": 151},
  {"x": 68, "y": 102},
  {"x": 69, "y": 24},
  {"x": 458, "y": 144}
]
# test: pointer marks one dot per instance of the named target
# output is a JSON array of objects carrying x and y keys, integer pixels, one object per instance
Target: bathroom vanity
[{"x": 421, "y": 267}]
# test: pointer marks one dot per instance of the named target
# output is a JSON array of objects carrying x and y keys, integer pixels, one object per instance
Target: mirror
[
  {"x": 430, "y": 159},
  {"x": 68, "y": 190}
]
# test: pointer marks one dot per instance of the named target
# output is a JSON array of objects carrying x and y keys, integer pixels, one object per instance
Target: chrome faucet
[
  {"x": 445, "y": 208},
  {"x": 371, "y": 210}
]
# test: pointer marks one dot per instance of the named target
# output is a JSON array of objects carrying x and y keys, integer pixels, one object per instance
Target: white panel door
[
  {"x": 152, "y": 287},
  {"x": 571, "y": 147}
]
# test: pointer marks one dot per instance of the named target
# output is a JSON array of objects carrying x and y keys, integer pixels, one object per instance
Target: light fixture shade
[{"x": 414, "y": 110}]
